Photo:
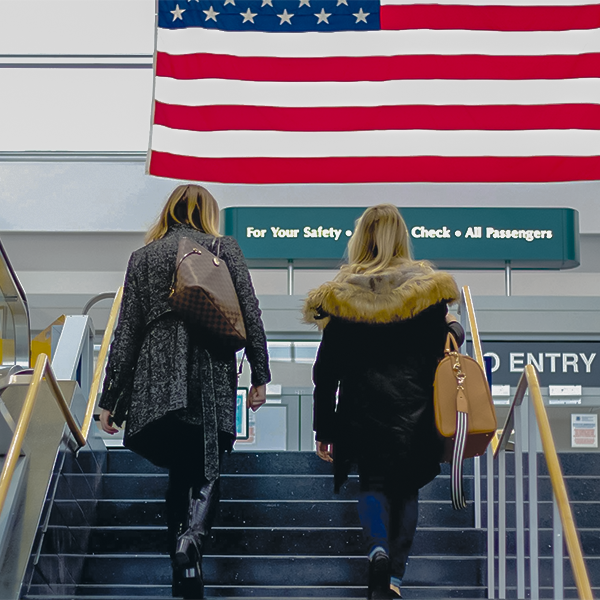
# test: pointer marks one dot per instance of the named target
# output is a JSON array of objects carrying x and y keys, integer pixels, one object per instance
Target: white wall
[
  {"x": 76, "y": 27},
  {"x": 79, "y": 195},
  {"x": 75, "y": 101},
  {"x": 76, "y": 78}
]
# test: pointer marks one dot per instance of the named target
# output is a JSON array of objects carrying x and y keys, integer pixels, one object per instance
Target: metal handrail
[
  {"x": 100, "y": 362},
  {"x": 466, "y": 292},
  {"x": 97, "y": 298},
  {"x": 475, "y": 339},
  {"x": 529, "y": 381},
  {"x": 13, "y": 293},
  {"x": 42, "y": 370}
]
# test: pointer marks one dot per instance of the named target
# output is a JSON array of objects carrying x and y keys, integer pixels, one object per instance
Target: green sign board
[{"x": 459, "y": 238}]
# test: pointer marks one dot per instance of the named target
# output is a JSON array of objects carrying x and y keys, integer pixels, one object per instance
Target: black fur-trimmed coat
[{"x": 383, "y": 336}]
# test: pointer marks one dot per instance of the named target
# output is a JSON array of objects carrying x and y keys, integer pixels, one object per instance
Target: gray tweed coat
[{"x": 158, "y": 365}]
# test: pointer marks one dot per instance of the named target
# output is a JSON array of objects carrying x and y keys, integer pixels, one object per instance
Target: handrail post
[
  {"x": 290, "y": 277},
  {"x": 502, "y": 524},
  {"x": 519, "y": 502},
  {"x": 491, "y": 573},
  {"x": 507, "y": 278},
  {"x": 557, "y": 547},
  {"x": 534, "y": 557},
  {"x": 477, "y": 491}
]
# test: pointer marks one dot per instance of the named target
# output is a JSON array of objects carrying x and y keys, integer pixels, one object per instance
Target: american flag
[{"x": 362, "y": 91}]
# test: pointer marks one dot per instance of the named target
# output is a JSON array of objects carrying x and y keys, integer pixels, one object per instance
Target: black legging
[
  {"x": 186, "y": 478},
  {"x": 389, "y": 521}
]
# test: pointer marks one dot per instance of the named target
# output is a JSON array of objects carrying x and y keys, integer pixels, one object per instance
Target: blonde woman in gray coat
[{"x": 174, "y": 385}]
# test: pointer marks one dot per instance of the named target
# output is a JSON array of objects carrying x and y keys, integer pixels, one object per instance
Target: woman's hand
[
  {"x": 106, "y": 422},
  {"x": 257, "y": 396},
  {"x": 325, "y": 451},
  {"x": 455, "y": 329}
]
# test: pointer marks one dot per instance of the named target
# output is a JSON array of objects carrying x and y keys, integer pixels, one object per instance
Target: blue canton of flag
[{"x": 270, "y": 15}]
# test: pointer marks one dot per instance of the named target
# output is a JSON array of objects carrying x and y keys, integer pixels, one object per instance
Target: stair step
[
  {"x": 121, "y": 460},
  {"x": 309, "y": 541},
  {"x": 586, "y": 514},
  {"x": 578, "y": 487},
  {"x": 290, "y": 540},
  {"x": 87, "y": 592},
  {"x": 146, "y": 592},
  {"x": 276, "y": 571},
  {"x": 262, "y": 487},
  {"x": 258, "y": 513},
  {"x": 316, "y": 487}
]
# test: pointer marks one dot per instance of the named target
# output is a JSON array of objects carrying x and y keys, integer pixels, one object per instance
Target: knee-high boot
[
  {"x": 189, "y": 546},
  {"x": 177, "y": 501},
  {"x": 201, "y": 514},
  {"x": 176, "y": 513}
]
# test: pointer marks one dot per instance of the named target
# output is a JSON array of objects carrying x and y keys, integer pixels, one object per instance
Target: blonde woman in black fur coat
[{"x": 384, "y": 320}]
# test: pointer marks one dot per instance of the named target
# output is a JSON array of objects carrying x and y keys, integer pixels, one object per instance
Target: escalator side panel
[{"x": 46, "y": 445}]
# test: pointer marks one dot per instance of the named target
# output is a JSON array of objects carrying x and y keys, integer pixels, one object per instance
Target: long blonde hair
[
  {"x": 189, "y": 204},
  {"x": 380, "y": 240}
]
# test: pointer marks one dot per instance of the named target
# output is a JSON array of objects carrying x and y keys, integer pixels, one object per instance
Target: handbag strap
[
  {"x": 217, "y": 241},
  {"x": 241, "y": 366},
  {"x": 194, "y": 251},
  {"x": 451, "y": 345},
  {"x": 451, "y": 351}
]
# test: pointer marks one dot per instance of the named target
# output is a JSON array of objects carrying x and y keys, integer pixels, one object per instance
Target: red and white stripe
[{"x": 449, "y": 92}]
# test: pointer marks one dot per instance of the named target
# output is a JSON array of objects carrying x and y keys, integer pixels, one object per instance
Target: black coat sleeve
[
  {"x": 326, "y": 377},
  {"x": 456, "y": 329},
  {"x": 127, "y": 340},
  {"x": 256, "y": 340}
]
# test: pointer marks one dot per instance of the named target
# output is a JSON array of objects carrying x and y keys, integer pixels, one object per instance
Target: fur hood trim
[{"x": 395, "y": 294}]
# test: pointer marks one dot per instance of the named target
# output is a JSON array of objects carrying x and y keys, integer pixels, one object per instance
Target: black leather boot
[
  {"x": 177, "y": 502},
  {"x": 189, "y": 546},
  {"x": 199, "y": 520},
  {"x": 192, "y": 581}
]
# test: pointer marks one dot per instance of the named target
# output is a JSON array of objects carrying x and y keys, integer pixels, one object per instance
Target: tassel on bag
[{"x": 464, "y": 413}]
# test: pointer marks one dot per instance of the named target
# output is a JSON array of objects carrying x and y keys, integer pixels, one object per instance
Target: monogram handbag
[
  {"x": 464, "y": 412},
  {"x": 203, "y": 294}
]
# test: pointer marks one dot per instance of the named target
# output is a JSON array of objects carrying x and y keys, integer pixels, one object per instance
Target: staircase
[{"x": 281, "y": 532}]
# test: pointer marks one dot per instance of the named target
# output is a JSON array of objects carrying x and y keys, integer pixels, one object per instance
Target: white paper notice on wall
[{"x": 584, "y": 431}]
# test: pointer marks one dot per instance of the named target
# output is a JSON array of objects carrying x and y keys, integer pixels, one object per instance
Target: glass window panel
[
  {"x": 306, "y": 352},
  {"x": 280, "y": 351},
  {"x": 294, "y": 352}
]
